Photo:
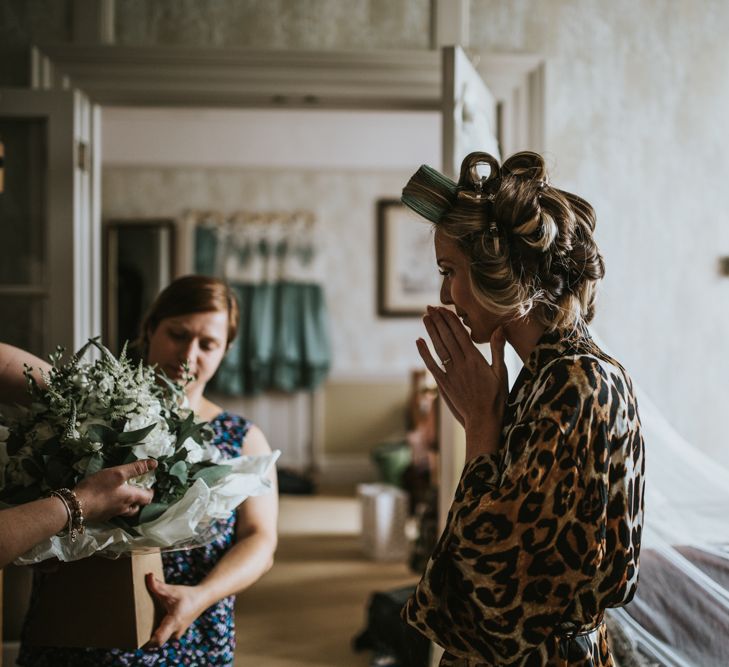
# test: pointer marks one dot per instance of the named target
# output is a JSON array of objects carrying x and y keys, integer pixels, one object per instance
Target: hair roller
[{"x": 429, "y": 193}]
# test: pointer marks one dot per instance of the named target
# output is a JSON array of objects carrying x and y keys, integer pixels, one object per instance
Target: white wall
[{"x": 637, "y": 107}]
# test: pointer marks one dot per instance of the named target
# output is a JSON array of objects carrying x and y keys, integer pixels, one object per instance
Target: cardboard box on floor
[{"x": 96, "y": 602}]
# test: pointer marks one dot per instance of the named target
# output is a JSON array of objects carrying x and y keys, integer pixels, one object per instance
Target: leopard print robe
[{"x": 545, "y": 535}]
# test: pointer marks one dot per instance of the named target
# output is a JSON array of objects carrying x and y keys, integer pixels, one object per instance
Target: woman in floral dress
[{"x": 193, "y": 321}]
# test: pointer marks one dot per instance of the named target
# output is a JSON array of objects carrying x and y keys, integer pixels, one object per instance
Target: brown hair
[
  {"x": 530, "y": 245},
  {"x": 187, "y": 295}
]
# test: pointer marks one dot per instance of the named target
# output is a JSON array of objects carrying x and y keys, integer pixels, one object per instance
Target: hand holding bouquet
[{"x": 97, "y": 414}]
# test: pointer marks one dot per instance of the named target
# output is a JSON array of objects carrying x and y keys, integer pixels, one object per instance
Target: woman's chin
[{"x": 478, "y": 337}]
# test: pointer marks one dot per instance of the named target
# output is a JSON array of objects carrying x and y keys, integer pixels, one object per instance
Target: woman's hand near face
[{"x": 474, "y": 390}]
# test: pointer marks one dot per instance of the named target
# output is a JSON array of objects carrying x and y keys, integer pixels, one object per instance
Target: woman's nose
[
  {"x": 445, "y": 294},
  {"x": 187, "y": 351}
]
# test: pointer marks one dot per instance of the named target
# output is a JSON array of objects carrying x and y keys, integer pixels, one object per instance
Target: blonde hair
[{"x": 530, "y": 245}]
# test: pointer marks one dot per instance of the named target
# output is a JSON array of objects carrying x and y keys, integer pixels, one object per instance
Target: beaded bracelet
[{"x": 75, "y": 512}]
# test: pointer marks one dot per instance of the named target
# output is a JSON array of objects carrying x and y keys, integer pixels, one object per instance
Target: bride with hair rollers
[{"x": 545, "y": 527}]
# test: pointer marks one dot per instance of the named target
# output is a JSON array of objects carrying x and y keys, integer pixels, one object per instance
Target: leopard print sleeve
[{"x": 524, "y": 549}]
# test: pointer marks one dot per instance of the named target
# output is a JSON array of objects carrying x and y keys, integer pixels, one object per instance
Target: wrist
[
  {"x": 74, "y": 510},
  {"x": 203, "y": 596},
  {"x": 481, "y": 439},
  {"x": 84, "y": 498},
  {"x": 59, "y": 511}
]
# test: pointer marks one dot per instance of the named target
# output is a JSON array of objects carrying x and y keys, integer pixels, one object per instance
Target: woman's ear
[{"x": 146, "y": 337}]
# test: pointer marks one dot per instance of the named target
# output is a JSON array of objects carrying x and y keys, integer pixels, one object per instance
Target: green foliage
[{"x": 94, "y": 414}]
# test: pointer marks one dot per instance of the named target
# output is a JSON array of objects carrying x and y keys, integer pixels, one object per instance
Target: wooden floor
[{"x": 306, "y": 610}]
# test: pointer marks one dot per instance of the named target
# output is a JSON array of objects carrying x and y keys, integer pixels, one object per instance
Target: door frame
[
  {"x": 241, "y": 78},
  {"x": 70, "y": 281},
  {"x": 383, "y": 80}
]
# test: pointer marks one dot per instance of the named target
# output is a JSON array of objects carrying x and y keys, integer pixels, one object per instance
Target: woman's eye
[{"x": 444, "y": 272}]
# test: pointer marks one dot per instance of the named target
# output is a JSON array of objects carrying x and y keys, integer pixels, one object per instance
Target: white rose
[
  {"x": 145, "y": 481},
  {"x": 194, "y": 451},
  {"x": 160, "y": 442},
  {"x": 138, "y": 421}
]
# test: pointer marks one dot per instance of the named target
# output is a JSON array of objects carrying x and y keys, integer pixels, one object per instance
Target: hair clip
[
  {"x": 478, "y": 187},
  {"x": 494, "y": 231}
]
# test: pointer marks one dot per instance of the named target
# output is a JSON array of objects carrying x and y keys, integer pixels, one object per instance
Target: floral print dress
[{"x": 210, "y": 640}]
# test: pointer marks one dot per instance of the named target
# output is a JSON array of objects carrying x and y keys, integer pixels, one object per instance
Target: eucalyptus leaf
[
  {"x": 96, "y": 463},
  {"x": 179, "y": 470},
  {"x": 135, "y": 437},
  {"x": 127, "y": 524},
  {"x": 152, "y": 511},
  {"x": 179, "y": 455},
  {"x": 102, "y": 433},
  {"x": 187, "y": 428},
  {"x": 131, "y": 457},
  {"x": 212, "y": 474}
]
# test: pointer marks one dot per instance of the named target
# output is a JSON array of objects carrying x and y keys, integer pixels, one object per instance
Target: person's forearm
[
  {"x": 242, "y": 566},
  {"x": 12, "y": 381},
  {"x": 22, "y": 527}
]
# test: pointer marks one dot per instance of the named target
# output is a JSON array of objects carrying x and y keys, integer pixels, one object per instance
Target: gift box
[{"x": 95, "y": 602}]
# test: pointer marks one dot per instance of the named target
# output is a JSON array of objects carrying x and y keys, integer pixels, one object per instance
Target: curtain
[{"x": 272, "y": 264}]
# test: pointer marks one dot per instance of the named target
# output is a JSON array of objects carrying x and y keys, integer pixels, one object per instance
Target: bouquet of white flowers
[{"x": 96, "y": 414}]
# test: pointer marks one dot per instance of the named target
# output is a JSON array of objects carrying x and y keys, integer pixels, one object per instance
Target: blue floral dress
[{"x": 210, "y": 640}]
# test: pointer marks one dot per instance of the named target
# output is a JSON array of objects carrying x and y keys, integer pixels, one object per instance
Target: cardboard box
[{"x": 97, "y": 602}]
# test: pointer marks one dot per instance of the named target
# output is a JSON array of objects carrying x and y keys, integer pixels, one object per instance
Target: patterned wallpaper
[{"x": 275, "y": 24}]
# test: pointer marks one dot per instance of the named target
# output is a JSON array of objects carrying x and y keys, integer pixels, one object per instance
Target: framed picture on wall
[{"x": 407, "y": 275}]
